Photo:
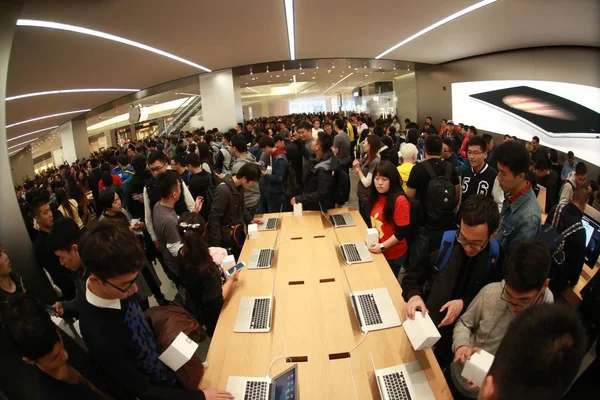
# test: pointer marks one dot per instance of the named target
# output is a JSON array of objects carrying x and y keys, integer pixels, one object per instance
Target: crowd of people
[{"x": 458, "y": 222}]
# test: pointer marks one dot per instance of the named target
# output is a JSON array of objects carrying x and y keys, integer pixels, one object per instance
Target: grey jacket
[
  {"x": 483, "y": 325},
  {"x": 520, "y": 220},
  {"x": 252, "y": 194},
  {"x": 567, "y": 189}
]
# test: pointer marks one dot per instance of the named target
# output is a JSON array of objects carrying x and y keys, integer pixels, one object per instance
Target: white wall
[
  {"x": 279, "y": 107},
  {"x": 75, "y": 142},
  {"x": 221, "y": 100},
  {"x": 21, "y": 165},
  {"x": 405, "y": 90}
]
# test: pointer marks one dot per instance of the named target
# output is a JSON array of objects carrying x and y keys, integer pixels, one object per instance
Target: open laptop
[
  {"x": 353, "y": 253},
  {"x": 270, "y": 224},
  {"x": 283, "y": 387},
  {"x": 263, "y": 258},
  {"x": 402, "y": 382},
  {"x": 254, "y": 313},
  {"x": 374, "y": 309},
  {"x": 341, "y": 220},
  {"x": 592, "y": 240}
]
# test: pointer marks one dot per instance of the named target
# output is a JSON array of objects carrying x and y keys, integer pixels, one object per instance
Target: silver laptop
[
  {"x": 374, "y": 309},
  {"x": 402, "y": 382},
  {"x": 263, "y": 258},
  {"x": 341, "y": 220},
  {"x": 270, "y": 224},
  {"x": 283, "y": 387},
  {"x": 254, "y": 314},
  {"x": 353, "y": 253}
]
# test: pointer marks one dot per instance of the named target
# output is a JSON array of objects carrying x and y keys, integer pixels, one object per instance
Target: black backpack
[
  {"x": 341, "y": 187},
  {"x": 554, "y": 235},
  {"x": 441, "y": 198},
  {"x": 415, "y": 218},
  {"x": 290, "y": 185}
]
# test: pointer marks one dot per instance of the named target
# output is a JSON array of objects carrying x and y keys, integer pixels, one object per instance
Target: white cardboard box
[
  {"x": 298, "y": 210},
  {"x": 372, "y": 236},
  {"x": 421, "y": 331},
  {"x": 228, "y": 262},
  {"x": 179, "y": 352},
  {"x": 477, "y": 367},
  {"x": 253, "y": 231}
]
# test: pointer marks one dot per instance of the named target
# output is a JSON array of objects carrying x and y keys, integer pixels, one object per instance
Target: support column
[
  {"x": 21, "y": 166},
  {"x": 75, "y": 141},
  {"x": 221, "y": 100},
  {"x": 109, "y": 139},
  {"x": 405, "y": 90}
]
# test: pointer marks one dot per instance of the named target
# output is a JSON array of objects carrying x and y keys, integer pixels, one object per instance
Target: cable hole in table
[
  {"x": 318, "y": 236},
  {"x": 296, "y": 283},
  {"x": 327, "y": 280},
  {"x": 338, "y": 356},
  {"x": 297, "y": 359}
]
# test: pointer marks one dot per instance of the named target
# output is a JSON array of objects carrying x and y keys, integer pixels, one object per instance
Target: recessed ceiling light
[
  {"x": 32, "y": 133},
  {"x": 22, "y": 96},
  {"x": 269, "y": 82},
  {"x": 276, "y": 76},
  {"x": 313, "y": 77},
  {"x": 366, "y": 74},
  {"x": 48, "y": 116},
  {"x": 103, "y": 35},
  {"x": 437, "y": 25},
  {"x": 328, "y": 71}
]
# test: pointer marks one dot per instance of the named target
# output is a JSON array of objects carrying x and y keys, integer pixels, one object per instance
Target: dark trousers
[
  {"x": 365, "y": 213},
  {"x": 426, "y": 241}
]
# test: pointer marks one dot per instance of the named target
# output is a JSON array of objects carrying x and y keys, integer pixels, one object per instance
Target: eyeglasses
[
  {"x": 518, "y": 306},
  {"x": 466, "y": 243},
  {"x": 122, "y": 290},
  {"x": 474, "y": 153},
  {"x": 156, "y": 169}
]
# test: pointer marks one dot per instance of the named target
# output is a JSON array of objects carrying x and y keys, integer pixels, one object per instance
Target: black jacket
[
  {"x": 319, "y": 183},
  {"x": 94, "y": 178},
  {"x": 134, "y": 194},
  {"x": 228, "y": 209},
  {"x": 295, "y": 159},
  {"x": 574, "y": 244},
  {"x": 552, "y": 184},
  {"x": 445, "y": 285}
]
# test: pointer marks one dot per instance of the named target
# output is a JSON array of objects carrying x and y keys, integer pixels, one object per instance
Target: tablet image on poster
[{"x": 564, "y": 116}]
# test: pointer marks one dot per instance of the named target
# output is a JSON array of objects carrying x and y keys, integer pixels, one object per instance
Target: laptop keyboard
[
  {"x": 396, "y": 386},
  {"x": 272, "y": 223},
  {"x": 256, "y": 390},
  {"x": 265, "y": 257},
  {"x": 338, "y": 220},
  {"x": 369, "y": 309},
  {"x": 260, "y": 314},
  {"x": 352, "y": 252}
]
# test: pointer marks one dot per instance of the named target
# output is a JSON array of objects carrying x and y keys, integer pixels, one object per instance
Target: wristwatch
[{"x": 382, "y": 247}]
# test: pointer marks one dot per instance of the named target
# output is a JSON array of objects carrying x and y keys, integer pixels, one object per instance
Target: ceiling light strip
[
  {"x": 438, "y": 24},
  {"x": 16, "y": 151},
  {"x": 108, "y": 36},
  {"x": 22, "y": 143},
  {"x": 255, "y": 91},
  {"x": 289, "y": 21},
  {"x": 49, "y": 116},
  {"x": 63, "y": 91},
  {"x": 335, "y": 84},
  {"x": 32, "y": 133}
]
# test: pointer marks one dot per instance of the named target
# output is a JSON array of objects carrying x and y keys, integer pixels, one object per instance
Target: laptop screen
[
  {"x": 592, "y": 240},
  {"x": 285, "y": 386}
]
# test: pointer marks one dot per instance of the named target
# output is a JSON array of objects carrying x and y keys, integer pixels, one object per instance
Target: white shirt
[
  {"x": 315, "y": 132},
  {"x": 99, "y": 302}
]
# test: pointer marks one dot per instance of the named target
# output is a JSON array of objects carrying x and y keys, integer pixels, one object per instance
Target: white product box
[
  {"x": 421, "y": 331},
  {"x": 228, "y": 262},
  {"x": 298, "y": 210},
  {"x": 269, "y": 170},
  {"x": 179, "y": 352},
  {"x": 372, "y": 236},
  {"x": 477, "y": 367},
  {"x": 253, "y": 231}
]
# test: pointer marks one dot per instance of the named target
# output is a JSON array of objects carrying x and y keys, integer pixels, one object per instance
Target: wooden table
[{"x": 313, "y": 321}]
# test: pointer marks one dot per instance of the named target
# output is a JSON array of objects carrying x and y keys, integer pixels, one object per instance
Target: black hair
[
  {"x": 138, "y": 162},
  {"x": 487, "y": 138},
  {"x": 240, "y": 125},
  {"x": 239, "y": 143},
  {"x": 93, "y": 163},
  {"x": 479, "y": 209},
  {"x": 107, "y": 179},
  {"x": 406, "y": 120},
  {"x": 392, "y": 130},
  {"x": 429, "y": 118},
  {"x": 433, "y": 145},
  {"x": 179, "y": 159},
  {"x": 62, "y": 198},
  {"x": 123, "y": 159},
  {"x": 412, "y": 136},
  {"x": 477, "y": 141},
  {"x": 514, "y": 156},
  {"x": 537, "y": 139},
  {"x": 157, "y": 156},
  {"x": 388, "y": 170},
  {"x": 378, "y": 131},
  {"x": 167, "y": 183},
  {"x": 570, "y": 154},
  {"x": 103, "y": 168},
  {"x": 541, "y": 164},
  {"x": 473, "y": 129},
  {"x": 388, "y": 141},
  {"x": 108, "y": 251},
  {"x": 64, "y": 234},
  {"x": 250, "y": 171},
  {"x": 581, "y": 168},
  {"x": 448, "y": 143},
  {"x": 325, "y": 141},
  {"x": 305, "y": 125},
  {"x": 528, "y": 265},
  {"x": 30, "y": 328},
  {"x": 228, "y": 135},
  {"x": 209, "y": 138},
  {"x": 193, "y": 159},
  {"x": 540, "y": 354},
  {"x": 266, "y": 141},
  {"x": 106, "y": 197},
  {"x": 278, "y": 137},
  {"x": 112, "y": 160},
  {"x": 339, "y": 123},
  {"x": 195, "y": 253}
]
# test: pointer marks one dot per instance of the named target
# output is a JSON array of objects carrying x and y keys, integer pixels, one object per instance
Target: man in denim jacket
[{"x": 521, "y": 214}]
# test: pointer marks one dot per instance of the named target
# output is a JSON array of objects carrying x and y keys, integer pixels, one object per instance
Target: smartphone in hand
[{"x": 237, "y": 267}]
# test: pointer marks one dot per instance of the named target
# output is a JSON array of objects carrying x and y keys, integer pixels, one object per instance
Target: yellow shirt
[
  {"x": 404, "y": 171},
  {"x": 350, "y": 131}
]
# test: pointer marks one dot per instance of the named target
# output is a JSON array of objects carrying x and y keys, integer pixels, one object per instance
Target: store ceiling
[{"x": 231, "y": 33}]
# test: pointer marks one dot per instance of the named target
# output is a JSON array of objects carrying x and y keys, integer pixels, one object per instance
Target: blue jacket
[
  {"x": 520, "y": 220},
  {"x": 274, "y": 182}
]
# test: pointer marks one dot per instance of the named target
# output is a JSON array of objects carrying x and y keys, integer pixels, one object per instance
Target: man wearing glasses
[
  {"x": 480, "y": 178},
  {"x": 113, "y": 325},
  {"x": 467, "y": 268},
  {"x": 487, "y": 319}
]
